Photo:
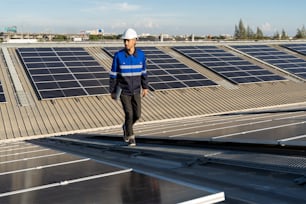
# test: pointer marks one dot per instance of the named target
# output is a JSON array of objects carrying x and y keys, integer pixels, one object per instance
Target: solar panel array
[
  {"x": 2, "y": 97},
  {"x": 166, "y": 72},
  {"x": 64, "y": 72},
  {"x": 227, "y": 65},
  {"x": 283, "y": 60},
  {"x": 299, "y": 48}
]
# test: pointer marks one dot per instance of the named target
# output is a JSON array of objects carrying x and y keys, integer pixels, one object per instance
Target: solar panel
[
  {"x": 2, "y": 96},
  {"x": 49, "y": 176},
  {"x": 166, "y": 72},
  {"x": 299, "y": 48},
  {"x": 280, "y": 59},
  {"x": 227, "y": 65},
  {"x": 64, "y": 72}
]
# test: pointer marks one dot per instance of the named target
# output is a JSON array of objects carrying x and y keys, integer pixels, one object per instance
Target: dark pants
[{"x": 132, "y": 110}]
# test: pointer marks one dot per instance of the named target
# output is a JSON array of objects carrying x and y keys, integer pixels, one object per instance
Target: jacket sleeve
[
  {"x": 113, "y": 75},
  {"x": 144, "y": 75}
]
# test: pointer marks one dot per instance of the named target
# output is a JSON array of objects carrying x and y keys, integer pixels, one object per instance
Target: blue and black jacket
[{"x": 129, "y": 72}]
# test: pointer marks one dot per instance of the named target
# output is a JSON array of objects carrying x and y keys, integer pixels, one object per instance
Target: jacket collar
[{"x": 127, "y": 54}]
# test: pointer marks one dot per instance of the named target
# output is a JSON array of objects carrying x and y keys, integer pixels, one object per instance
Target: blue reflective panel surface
[
  {"x": 280, "y": 59},
  {"x": 64, "y": 66},
  {"x": 2, "y": 96},
  {"x": 299, "y": 48},
  {"x": 227, "y": 65}
]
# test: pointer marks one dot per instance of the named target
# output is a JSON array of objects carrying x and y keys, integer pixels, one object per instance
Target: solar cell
[
  {"x": 63, "y": 72},
  {"x": 280, "y": 59},
  {"x": 166, "y": 72},
  {"x": 299, "y": 48},
  {"x": 227, "y": 65},
  {"x": 2, "y": 96}
]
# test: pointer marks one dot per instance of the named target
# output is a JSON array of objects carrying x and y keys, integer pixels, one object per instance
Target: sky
[{"x": 174, "y": 17}]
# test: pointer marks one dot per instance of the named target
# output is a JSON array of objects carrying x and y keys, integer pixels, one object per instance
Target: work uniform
[{"x": 129, "y": 73}]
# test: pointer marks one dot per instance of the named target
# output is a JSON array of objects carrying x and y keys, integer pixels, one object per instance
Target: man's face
[{"x": 129, "y": 43}]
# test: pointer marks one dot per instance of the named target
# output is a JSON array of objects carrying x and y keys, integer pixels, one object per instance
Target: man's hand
[{"x": 145, "y": 92}]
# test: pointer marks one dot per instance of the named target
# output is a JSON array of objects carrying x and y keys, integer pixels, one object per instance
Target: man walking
[{"x": 129, "y": 75}]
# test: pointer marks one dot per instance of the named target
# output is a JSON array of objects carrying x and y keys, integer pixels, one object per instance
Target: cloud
[
  {"x": 111, "y": 7},
  {"x": 266, "y": 27},
  {"x": 144, "y": 25},
  {"x": 126, "y": 7},
  {"x": 147, "y": 23}
]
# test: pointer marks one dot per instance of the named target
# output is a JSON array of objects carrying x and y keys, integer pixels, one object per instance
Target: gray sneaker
[
  {"x": 132, "y": 142},
  {"x": 125, "y": 137}
]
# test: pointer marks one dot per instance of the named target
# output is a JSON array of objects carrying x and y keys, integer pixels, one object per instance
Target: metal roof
[
  {"x": 220, "y": 144},
  {"x": 42, "y": 118}
]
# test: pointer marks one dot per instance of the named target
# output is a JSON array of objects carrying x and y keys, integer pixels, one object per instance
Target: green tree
[
  {"x": 259, "y": 34},
  {"x": 94, "y": 37},
  {"x": 60, "y": 38},
  {"x": 236, "y": 34},
  {"x": 301, "y": 33},
  {"x": 242, "y": 30},
  {"x": 284, "y": 35},
  {"x": 276, "y": 36},
  {"x": 250, "y": 33}
]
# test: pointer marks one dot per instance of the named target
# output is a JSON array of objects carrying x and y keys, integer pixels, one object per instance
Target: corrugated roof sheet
[{"x": 60, "y": 116}]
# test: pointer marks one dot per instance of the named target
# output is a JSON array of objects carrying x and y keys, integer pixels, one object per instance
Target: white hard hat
[{"x": 130, "y": 33}]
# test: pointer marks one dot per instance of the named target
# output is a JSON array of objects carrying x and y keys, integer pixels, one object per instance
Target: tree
[
  {"x": 301, "y": 33},
  {"x": 249, "y": 33},
  {"x": 259, "y": 34},
  {"x": 60, "y": 38},
  {"x": 95, "y": 37},
  {"x": 240, "y": 31},
  {"x": 276, "y": 36},
  {"x": 284, "y": 35},
  {"x": 236, "y": 34}
]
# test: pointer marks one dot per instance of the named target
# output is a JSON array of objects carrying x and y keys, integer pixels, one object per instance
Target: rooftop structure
[{"x": 201, "y": 110}]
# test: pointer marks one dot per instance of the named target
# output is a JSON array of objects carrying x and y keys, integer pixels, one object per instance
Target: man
[{"x": 129, "y": 75}]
